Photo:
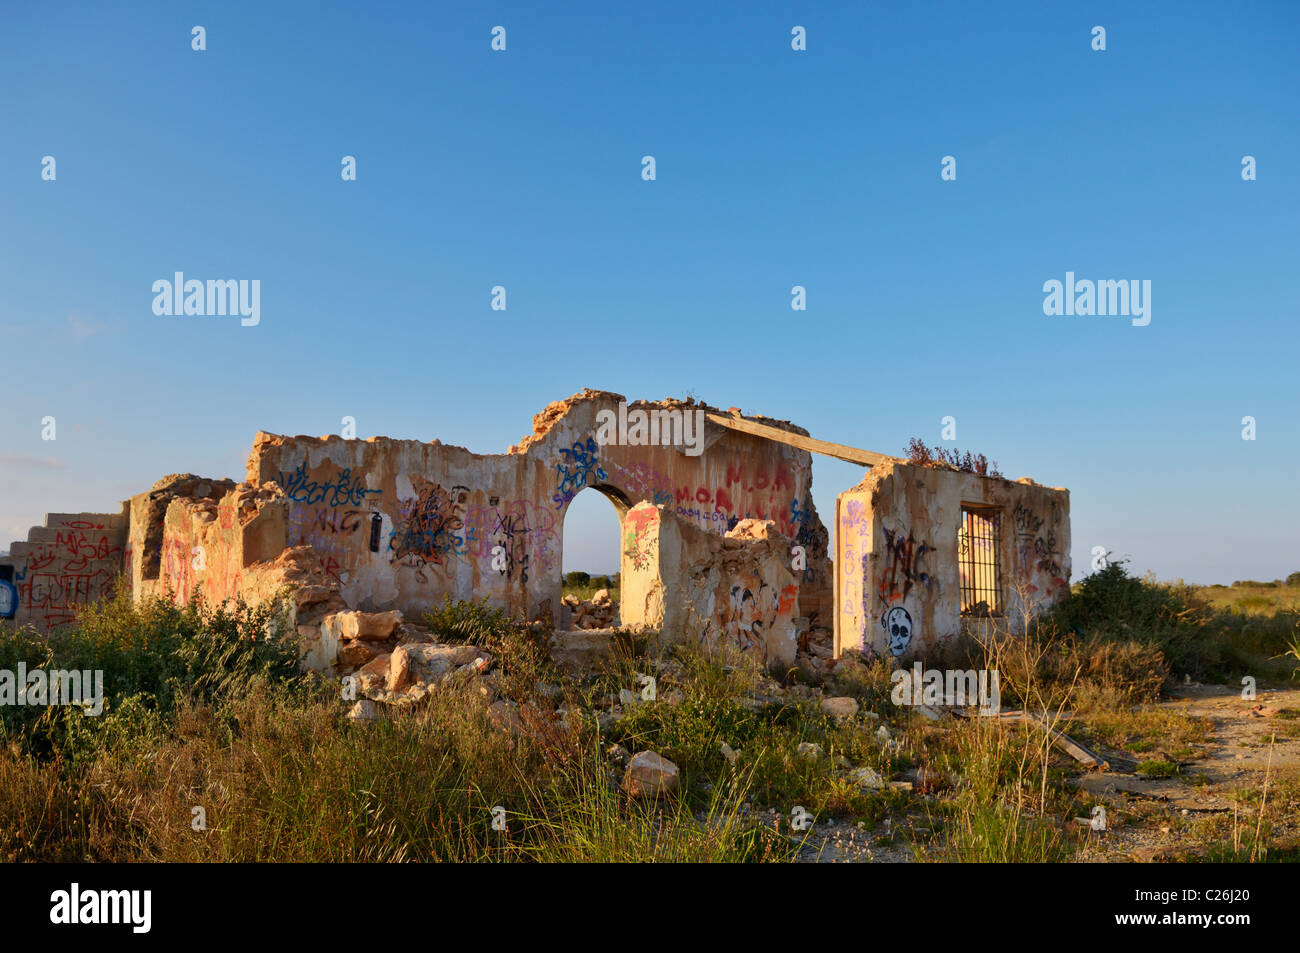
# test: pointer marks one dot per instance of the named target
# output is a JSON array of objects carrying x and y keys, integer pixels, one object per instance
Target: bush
[
  {"x": 936, "y": 456},
  {"x": 151, "y": 655},
  {"x": 1112, "y": 606},
  {"x": 521, "y": 650}
]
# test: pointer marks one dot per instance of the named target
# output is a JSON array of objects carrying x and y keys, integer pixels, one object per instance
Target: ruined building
[{"x": 720, "y": 539}]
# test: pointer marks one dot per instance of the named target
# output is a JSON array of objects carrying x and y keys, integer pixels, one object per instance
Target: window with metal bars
[{"x": 979, "y": 545}]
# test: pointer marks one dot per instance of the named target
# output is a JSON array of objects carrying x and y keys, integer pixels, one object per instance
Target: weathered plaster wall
[
  {"x": 148, "y": 547},
  {"x": 735, "y": 591},
  {"x": 897, "y": 560},
  {"x": 70, "y": 562},
  {"x": 401, "y": 523}
]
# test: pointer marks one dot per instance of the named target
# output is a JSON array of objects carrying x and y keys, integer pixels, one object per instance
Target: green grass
[
  {"x": 205, "y": 708},
  {"x": 1157, "y": 768}
]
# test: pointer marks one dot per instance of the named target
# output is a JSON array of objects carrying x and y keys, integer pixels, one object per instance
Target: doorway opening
[{"x": 591, "y": 561}]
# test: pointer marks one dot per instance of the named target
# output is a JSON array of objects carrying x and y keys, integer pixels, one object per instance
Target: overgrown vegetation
[
  {"x": 1194, "y": 639},
  {"x": 937, "y": 456},
  {"x": 207, "y": 718}
]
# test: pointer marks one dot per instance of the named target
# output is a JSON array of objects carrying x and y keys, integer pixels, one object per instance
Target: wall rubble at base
[{"x": 737, "y": 590}]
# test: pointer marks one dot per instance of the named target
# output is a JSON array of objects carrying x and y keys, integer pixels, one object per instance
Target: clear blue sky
[{"x": 775, "y": 168}]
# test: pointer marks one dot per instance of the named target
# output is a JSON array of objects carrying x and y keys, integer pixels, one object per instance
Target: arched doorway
[{"x": 590, "y": 565}]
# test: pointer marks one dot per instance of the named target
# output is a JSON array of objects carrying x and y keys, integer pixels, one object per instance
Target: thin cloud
[
  {"x": 29, "y": 462},
  {"x": 82, "y": 328}
]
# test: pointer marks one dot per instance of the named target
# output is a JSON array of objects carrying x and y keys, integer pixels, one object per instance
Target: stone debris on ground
[
  {"x": 840, "y": 707},
  {"x": 648, "y": 774},
  {"x": 598, "y": 612}
]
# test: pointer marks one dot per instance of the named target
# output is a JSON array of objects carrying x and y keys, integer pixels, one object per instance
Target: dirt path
[
  {"x": 1212, "y": 798},
  {"x": 1215, "y": 795}
]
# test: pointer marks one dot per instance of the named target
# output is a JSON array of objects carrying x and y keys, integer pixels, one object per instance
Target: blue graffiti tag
[
  {"x": 580, "y": 469},
  {"x": 342, "y": 491}
]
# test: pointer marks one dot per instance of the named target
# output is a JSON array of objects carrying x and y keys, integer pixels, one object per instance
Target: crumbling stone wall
[
  {"x": 380, "y": 524},
  {"x": 897, "y": 563},
  {"x": 402, "y": 523},
  {"x": 210, "y": 541},
  {"x": 735, "y": 591},
  {"x": 70, "y": 562}
]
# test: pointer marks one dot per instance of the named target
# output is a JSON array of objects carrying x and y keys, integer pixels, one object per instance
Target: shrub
[
  {"x": 920, "y": 454},
  {"x": 151, "y": 655},
  {"x": 521, "y": 650},
  {"x": 1112, "y": 606}
]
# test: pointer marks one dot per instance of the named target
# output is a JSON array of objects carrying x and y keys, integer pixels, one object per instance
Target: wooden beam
[{"x": 837, "y": 450}]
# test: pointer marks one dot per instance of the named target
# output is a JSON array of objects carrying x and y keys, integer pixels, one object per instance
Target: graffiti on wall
[
  {"x": 897, "y": 623},
  {"x": 8, "y": 599},
  {"x": 428, "y": 530},
  {"x": 525, "y": 531},
  {"x": 640, "y": 482},
  {"x": 747, "y": 493},
  {"x": 329, "y": 530},
  {"x": 853, "y": 532},
  {"x": 343, "y": 489},
  {"x": 904, "y": 569},
  {"x": 60, "y": 577},
  {"x": 512, "y": 542},
  {"x": 640, "y": 543},
  {"x": 903, "y": 560},
  {"x": 1036, "y": 545},
  {"x": 752, "y": 612},
  {"x": 218, "y": 575},
  {"x": 578, "y": 469}
]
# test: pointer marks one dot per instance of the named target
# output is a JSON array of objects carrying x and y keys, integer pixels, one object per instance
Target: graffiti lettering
[
  {"x": 903, "y": 566},
  {"x": 343, "y": 490}
]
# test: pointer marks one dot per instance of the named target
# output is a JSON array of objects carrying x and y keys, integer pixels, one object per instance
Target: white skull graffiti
[{"x": 897, "y": 624}]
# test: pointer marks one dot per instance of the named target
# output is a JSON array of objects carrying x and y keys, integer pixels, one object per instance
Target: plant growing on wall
[{"x": 941, "y": 458}]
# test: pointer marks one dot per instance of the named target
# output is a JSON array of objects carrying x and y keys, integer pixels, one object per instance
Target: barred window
[{"x": 978, "y": 559}]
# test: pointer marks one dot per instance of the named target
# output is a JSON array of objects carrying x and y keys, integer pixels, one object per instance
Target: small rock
[
  {"x": 376, "y": 626},
  {"x": 840, "y": 707},
  {"x": 377, "y": 665},
  {"x": 363, "y": 710},
  {"x": 399, "y": 669},
  {"x": 648, "y": 774},
  {"x": 867, "y": 778},
  {"x": 310, "y": 595},
  {"x": 808, "y": 749},
  {"x": 352, "y": 654}
]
